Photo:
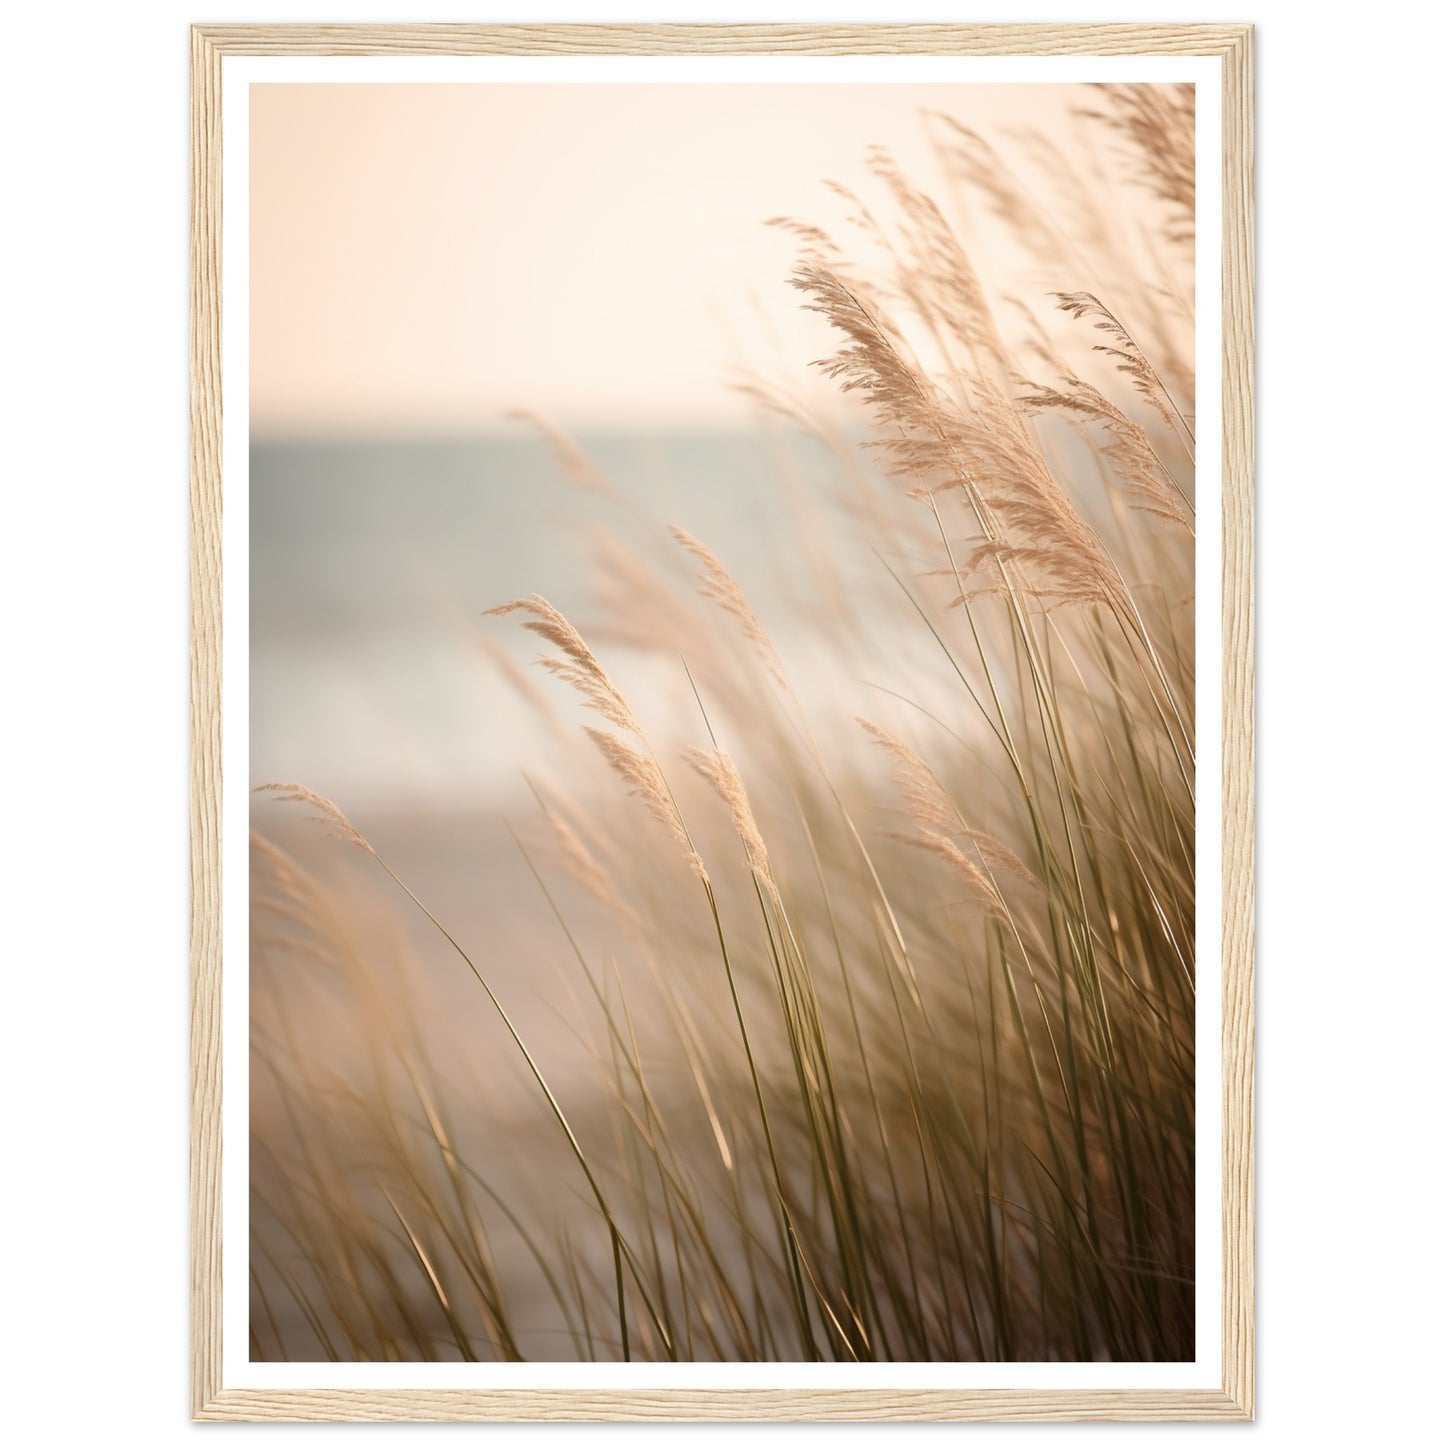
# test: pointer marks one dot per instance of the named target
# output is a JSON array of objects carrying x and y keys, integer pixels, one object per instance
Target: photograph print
[{"x": 722, "y": 722}]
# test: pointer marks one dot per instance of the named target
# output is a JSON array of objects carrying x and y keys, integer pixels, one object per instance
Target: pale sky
[{"x": 427, "y": 257}]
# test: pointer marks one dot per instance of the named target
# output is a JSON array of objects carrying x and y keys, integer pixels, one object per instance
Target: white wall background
[{"x": 93, "y": 723}]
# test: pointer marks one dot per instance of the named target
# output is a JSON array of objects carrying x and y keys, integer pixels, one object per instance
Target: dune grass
[{"x": 892, "y": 1044}]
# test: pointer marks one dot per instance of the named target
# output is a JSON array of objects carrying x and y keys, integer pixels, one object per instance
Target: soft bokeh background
[
  {"x": 424, "y": 257},
  {"x": 425, "y": 260}
]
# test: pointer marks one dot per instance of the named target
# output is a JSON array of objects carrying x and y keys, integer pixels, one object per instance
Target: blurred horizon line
[{"x": 515, "y": 428}]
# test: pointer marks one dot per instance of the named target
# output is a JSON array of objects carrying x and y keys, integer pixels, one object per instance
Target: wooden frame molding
[{"x": 1234, "y": 1400}]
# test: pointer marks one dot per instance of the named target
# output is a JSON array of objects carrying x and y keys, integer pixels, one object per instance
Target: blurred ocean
[{"x": 372, "y": 562}]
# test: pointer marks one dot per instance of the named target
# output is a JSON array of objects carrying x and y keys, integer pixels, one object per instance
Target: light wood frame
[{"x": 1234, "y": 1398}]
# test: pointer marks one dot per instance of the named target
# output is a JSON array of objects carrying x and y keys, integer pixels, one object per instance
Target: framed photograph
[{"x": 722, "y": 722}]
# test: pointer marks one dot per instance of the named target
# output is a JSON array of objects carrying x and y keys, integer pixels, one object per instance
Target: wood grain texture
[
  {"x": 205, "y": 1168},
  {"x": 1235, "y": 1400},
  {"x": 721, "y": 39},
  {"x": 656, "y": 1406},
  {"x": 1237, "y": 985}
]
